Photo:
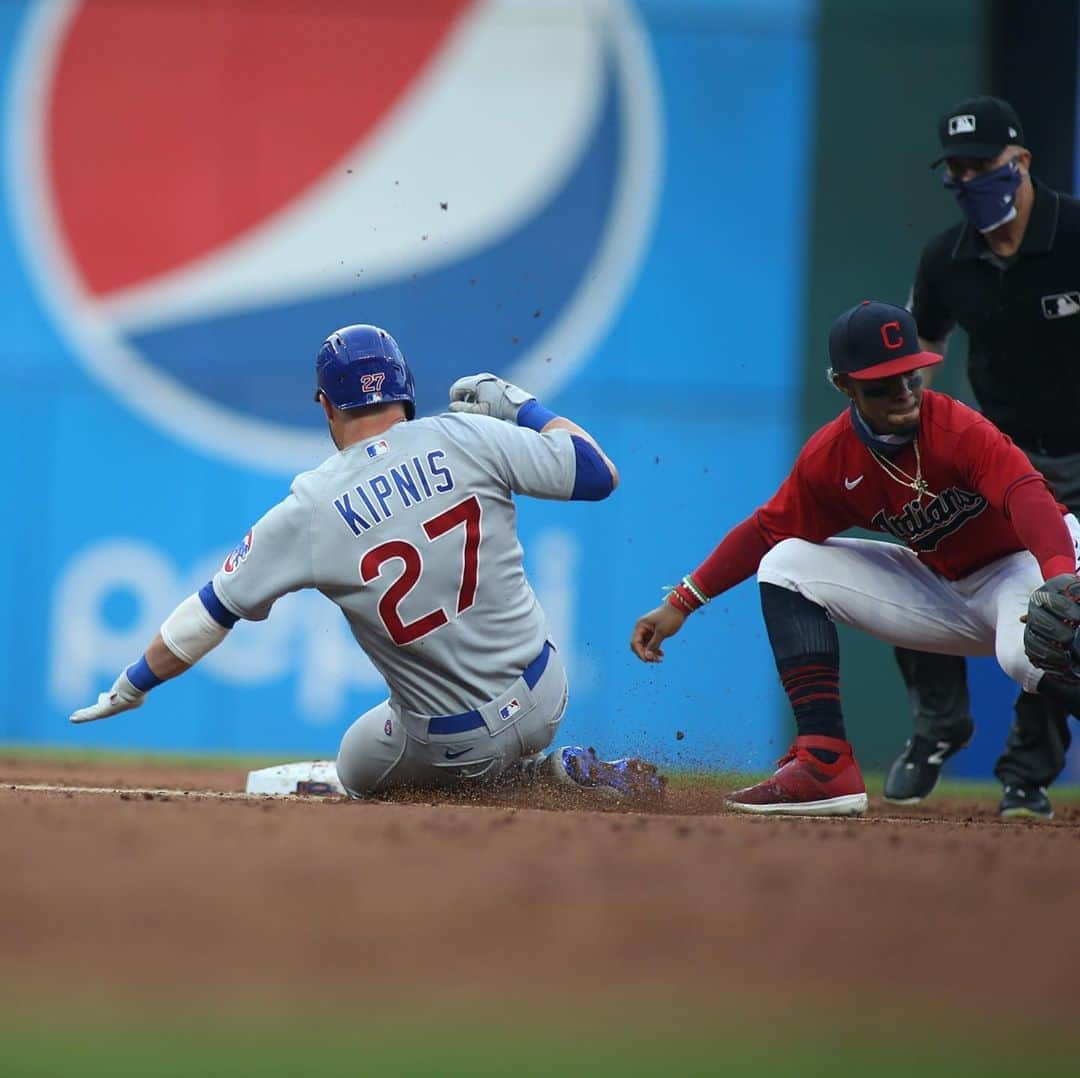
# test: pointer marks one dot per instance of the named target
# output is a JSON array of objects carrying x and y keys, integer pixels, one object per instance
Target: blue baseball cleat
[{"x": 627, "y": 779}]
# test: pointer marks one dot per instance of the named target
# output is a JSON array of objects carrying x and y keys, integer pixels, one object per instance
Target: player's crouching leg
[{"x": 1009, "y": 652}]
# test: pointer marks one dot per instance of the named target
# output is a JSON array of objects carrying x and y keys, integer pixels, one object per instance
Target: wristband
[
  {"x": 687, "y": 596},
  {"x": 141, "y": 676},
  {"x": 695, "y": 590},
  {"x": 534, "y": 415},
  {"x": 674, "y": 598}
]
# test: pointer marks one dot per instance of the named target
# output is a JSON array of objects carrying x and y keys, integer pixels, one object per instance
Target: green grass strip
[{"x": 496, "y": 1041}]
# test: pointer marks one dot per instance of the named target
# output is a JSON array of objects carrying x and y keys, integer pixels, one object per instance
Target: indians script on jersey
[{"x": 923, "y": 524}]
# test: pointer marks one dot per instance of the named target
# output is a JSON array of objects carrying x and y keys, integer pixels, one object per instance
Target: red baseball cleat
[{"x": 806, "y": 786}]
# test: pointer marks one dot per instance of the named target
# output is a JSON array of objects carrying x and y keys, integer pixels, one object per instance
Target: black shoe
[
  {"x": 915, "y": 771},
  {"x": 1025, "y": 802}
]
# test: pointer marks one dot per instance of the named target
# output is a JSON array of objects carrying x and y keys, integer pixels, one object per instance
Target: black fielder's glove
[{"x": 1051, "y": 626}]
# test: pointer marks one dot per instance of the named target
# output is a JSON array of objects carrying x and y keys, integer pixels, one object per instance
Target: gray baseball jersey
[{"x": 413, "y": 535}]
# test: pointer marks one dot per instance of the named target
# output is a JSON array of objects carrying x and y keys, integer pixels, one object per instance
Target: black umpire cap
[
  {"x": 876, "y": 340},
  {"x": 979, "y": 127}
]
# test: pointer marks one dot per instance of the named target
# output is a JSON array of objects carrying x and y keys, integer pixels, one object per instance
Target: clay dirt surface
[{"x": 149, "y": 892}]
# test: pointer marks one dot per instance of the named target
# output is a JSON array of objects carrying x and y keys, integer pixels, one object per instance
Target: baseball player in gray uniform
[{"x": 410, "y": 528}]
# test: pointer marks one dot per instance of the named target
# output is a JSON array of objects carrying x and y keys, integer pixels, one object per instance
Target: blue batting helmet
[{"x": 362, "y": 365}]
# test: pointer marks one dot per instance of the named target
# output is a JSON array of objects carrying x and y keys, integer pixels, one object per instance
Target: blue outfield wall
[{"x": 624, "y": 232}]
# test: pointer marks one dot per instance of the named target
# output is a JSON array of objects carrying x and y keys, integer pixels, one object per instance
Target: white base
[
  {"x": 309, "y": 778},
  {"x": 848, "y": 805}
]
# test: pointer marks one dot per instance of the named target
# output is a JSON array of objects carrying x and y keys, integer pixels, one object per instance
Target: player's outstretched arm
[
  {"x": 652, "y": 629},
  {"x": 158, "y": 664},
  {"x": 187, "y": 634},
  {"x": 488, "y": 394}
]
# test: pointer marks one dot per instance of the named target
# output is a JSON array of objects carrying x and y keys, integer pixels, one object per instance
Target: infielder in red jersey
[{"x": 979, "y": 527}]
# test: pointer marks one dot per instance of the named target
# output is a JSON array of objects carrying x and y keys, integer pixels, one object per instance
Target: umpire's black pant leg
[
  {"x": 1037, "y": 744},
  {"x": 938, "y": 691}
]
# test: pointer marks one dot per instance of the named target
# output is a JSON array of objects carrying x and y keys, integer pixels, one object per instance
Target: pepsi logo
[{"x": 479, "y": 181}]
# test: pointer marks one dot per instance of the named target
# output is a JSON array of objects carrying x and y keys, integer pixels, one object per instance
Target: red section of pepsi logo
[{"x": 212, "y": 115}]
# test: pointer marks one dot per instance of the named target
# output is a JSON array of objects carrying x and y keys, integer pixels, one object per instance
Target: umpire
[{"x": 1009, "y": 274}]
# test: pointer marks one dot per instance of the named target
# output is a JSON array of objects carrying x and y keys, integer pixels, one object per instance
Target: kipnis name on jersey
[{"x": 408, "y": 483}]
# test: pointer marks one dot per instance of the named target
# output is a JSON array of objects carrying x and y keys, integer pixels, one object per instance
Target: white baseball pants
[
  {"x": 389, "y": 747},
  {"x": 884, "y": 590}
]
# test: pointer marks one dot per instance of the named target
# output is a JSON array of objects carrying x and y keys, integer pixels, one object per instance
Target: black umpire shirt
[{"x": 1022, "y": 315}]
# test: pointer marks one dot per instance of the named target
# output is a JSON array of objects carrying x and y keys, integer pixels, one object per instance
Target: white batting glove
[
  {"x": 123, "y": 696},
  {"x": 487, "y": 394}
]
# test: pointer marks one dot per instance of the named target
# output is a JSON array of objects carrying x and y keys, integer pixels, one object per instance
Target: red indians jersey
[{"x": 959, "y": 526}]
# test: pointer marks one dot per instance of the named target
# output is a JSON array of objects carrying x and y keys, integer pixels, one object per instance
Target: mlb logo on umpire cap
[
  {"x": 876, "y": 340},
  {"x": 979, "y": 127}
]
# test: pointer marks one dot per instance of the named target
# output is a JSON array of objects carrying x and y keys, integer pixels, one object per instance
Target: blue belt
[{"x": 473, "y": 720}]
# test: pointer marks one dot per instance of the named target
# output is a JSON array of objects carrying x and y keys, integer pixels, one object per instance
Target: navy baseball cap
[
  {"x": 979, "y": 127},
  {"x": 877, "y": 340}
]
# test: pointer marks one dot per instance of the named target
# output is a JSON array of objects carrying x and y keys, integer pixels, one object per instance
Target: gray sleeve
[
  {"x": 540, "y": 465},
  {"x": 273, "y": 559}
]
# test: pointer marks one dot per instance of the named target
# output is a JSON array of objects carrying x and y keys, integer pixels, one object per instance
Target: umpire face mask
[{"x": 988, "y": 200}]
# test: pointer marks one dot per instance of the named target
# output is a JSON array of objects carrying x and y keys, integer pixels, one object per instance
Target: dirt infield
[{"x": 156, "y": 891}]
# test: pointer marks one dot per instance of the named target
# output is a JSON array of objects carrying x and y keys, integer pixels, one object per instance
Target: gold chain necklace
[{"x": 894, "y": 471}]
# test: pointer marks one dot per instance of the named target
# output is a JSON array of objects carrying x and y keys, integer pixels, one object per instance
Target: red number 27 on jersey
[{"x": 465, "y": 514}]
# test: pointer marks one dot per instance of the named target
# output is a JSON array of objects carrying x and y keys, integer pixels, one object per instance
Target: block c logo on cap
[
  {"x": 891, "y": 335},
  {"x": 961, "y": 125}
]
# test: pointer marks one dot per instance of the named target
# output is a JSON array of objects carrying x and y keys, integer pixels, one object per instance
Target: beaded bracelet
[{"x": 686, "y": 596}]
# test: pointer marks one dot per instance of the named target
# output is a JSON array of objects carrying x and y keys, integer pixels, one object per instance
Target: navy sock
[
  {"x": 807, "y": 653},
  {"x": 813, "y": 687}
]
